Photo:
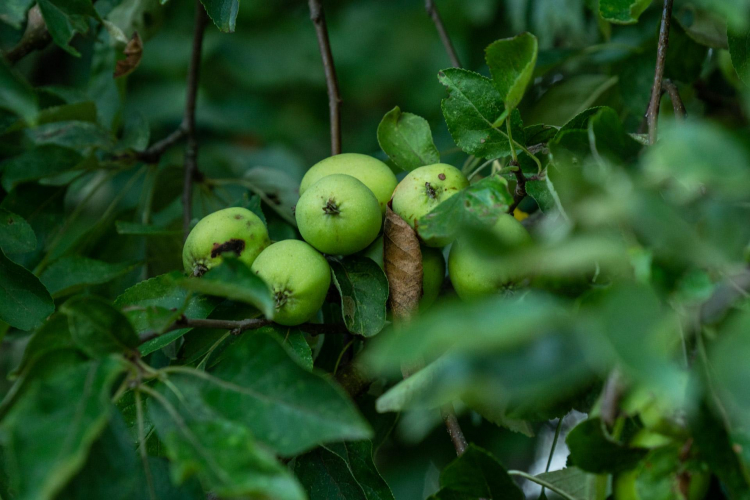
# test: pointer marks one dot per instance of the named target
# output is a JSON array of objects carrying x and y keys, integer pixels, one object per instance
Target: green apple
[
  {"x": 424, "y": 189},
  {"x": 477, "y": 272},
  {"x": 433, "y": 270},
  {"x": 372, "y": 172},
  {"x": 298, "y": 277},
  {"x": 338, "y": 215},
  {"x": 232, "y": 230}
]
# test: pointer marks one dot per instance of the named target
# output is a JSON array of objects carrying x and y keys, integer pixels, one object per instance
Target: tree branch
[
  {"x": 520, "y": 192},
  {"x": 236, "y": 327},
  {"x": 191, "y": 149},
  {"x": 454, "y": 429},
  {"x": 431, "y": 9},
  {"x": 154, "y": 152},
  {"x": 34, "y": 38},
  {"x": 652, "y": 115},
  {"x": 334, "y": 98},
  {"x": 674, "y": 95}
]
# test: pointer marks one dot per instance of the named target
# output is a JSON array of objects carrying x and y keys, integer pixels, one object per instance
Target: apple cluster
[{"x": 340, "y": 211}]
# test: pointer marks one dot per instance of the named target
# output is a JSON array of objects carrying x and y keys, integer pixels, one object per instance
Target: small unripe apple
[
  {"x": 433, "y": 270},
  {"x": 233, "y": 230},
  {"x": 298, "y": 277},
  {"x": 338, "y": 215},
  {"x": 423, "y": 190},
  {"x": 477, "y": 272},
  {"x": 370, "y": 171}
]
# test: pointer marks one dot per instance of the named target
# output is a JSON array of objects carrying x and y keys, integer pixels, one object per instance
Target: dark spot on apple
[
  {"x": 238, "y": 217},
  {"x": 441, "y": 177},
  {"x": 234, "y": 245},
  {"x": 430, "y": 191}
]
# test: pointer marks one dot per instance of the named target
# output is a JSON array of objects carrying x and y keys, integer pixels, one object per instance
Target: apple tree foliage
[{"x": 633, "y": 311}]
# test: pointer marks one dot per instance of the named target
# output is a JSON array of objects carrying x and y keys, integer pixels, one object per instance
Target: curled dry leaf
[
  {"x": 133, "y": 53},
  {"x": 402, "y": 261}
]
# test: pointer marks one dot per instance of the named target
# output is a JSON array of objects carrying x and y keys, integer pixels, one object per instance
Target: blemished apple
[
  {"x": 433, "y": 270},
  {"x": 338, "y": 215},
  {"x": 233, "y": 230},
  {"x": 298, "y": 277},
  {"x": 478, "y": 272},
  {"x": 371, "y": 172},
  {"x": 423, "y": 189}
]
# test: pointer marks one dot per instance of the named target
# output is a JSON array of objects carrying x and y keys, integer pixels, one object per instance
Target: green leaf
[
  {"x": 65, "y": 18},
  {"x": 70, "y": 134},
  {"x": 38, "y": 163},
  {"x": 358, "y": 457},
  {"x": 296, "y": 344},
  {"x": 161, "y": 291},
  {"x": 609, "y": 138},
  {"x": 407, "y": 140},
  {"x": 364, "y": 292},
  {"x": 53, "y": 335},
  {"x": 16, "y": 235},
  {"x": 414, "y": 391},
  {"x": 69, "y": 273},
  {"x": 223, "y": 453},
  {"x": 97, "y": 327},
  {"x": 477, "y": 474},
  {"x": 234, "y": 280},
  {"x": 223, "y": 13},
  {"x": 479, "y": 205},
  {"x": 575, "y": 482},
  {"x": 703, "y": 26},
  {"x": 622, "y": 11},
  {"x": 580, "y": 121},
  {"x": 472, "y": 108},
  {"x": 592, "y": 450},
  {"x": 259, "y": 386},
  {"x": 13, "y": 12},
  {"x": 511, "y": 62},
  {"x": 136, "y": 229},
  {"x": 113, "y": 471},
  {"x": 326, "y": 476},
  {"x": 24, "y": 302},
  {"x": 47, "y": 434},
  {"x": 565, "y": 99},
  {"x": 739, "y": 49},
  {"x": 16, "y": 95}
]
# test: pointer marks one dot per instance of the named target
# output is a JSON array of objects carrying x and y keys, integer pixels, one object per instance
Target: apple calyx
[
  {"x": 431, "y": 193},
  {"x": 331, "y": 208}
]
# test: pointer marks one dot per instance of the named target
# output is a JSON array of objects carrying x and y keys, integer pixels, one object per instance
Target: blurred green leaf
[
  {"x": 16, "y": 94},
  {"x": 609, "y": 140},
  {"x": 65, "y": 18},
  {"x": 47, "y": 434},
  {"x": 13, "y": 12},
  {"x": 295, "y": 342},
  {"x": 16, "y": 235},
  {"x": 69, "y": 273},
  {"x": 221, "y": 452},
  {"x": 511, "y": 62},
  {"x": 476, "y": 474},
  {"x": 233, "y": 280},
  {"x": 259, "y": 386},
  {"x": 38, "y": 163},
  {"x": 702, "y": 25},
  {"x": 592, "y": 450},
  {"x": 575, "y": 482},
  {"x": 479, "y": 205},
  {"x": 24, "y": 301},
  {"x": 161, "y": 291},
  {"x": 326, "y": 475},
  {"x": 407, "y": 140},
  {"x": 472, "y": 109},
  {"x": 223, "y": 13},
  {"x": 133, "y": 228},
  {"x": 97, "y": 328},
  {"x": 70, "y": 134},
  {"x": 739, "y": 48},
  {"x": 364, "y": 292},
  {"x": 568, "y": 98},
  {"x": 622, "y": 11},
  {"x": 53, "y": 335}
]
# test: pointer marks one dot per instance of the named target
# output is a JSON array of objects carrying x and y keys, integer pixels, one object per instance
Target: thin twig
[
  {"x": 334, "y": 98},
  {"x": 674, "y": 95},
  {"x": 520, "y": 192},
  {"x": 652, "y": 115},
  {"x": 35, "y": 37},
  {"x": 191, "y": 148},
  {"x": 154, "y": 152},
  {"x": 236, "y": 327},
  {"x": 454, "y": 429},
  {"x": 431, "y": 9}
]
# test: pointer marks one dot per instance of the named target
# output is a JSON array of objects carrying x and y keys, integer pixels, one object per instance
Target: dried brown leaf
[
  {"x": 402, "y": 261},
  {"x": 133, "y": 54}
]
